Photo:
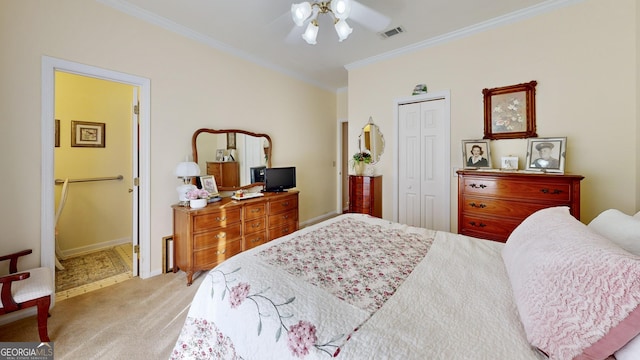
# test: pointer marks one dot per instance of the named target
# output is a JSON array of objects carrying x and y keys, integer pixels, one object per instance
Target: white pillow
[
  {"x": 622, "y": 229},
  {"x": 631, "y": 351}
]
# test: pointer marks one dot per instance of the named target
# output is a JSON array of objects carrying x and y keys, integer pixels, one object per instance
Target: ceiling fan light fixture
[
  {"x": 341, "y": 8},
  {"x": 343, "y": 29},
  {"x": 311, "y": 33},
  {"x": 300, "y": 12}
]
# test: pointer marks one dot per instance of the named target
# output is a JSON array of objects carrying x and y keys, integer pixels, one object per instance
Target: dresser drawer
[
  {"x": 254, "y": 211},
  {"x": 282, "y": 205},
  {"x": 475, "y": 205},
  {"x": 255, "y": 225},
  {"x": 487, "y": 228},
  {"x": 216, "y": 219},
  {"x": 216, "y": 237},
  {"x": 512, "y": 188},
  {"x": 208, "y": 258},
  {"x": 283, "y": 218},
  {"x": 285, "y": 229},
  {"x": 253, "y": 240}
]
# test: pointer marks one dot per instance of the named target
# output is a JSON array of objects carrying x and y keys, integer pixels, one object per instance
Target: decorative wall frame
[
  {"x": 231, "y": 140},
  {"x": 87, "y": 134},
  {"x": 56, "y": 139},
  {"x": 476, "y": 154},
  {"x": 546, "y": 154},
  {"x": 510, "y": 111}
]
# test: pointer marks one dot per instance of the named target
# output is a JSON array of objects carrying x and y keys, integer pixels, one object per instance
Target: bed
[{"x": 359, "y": 287}]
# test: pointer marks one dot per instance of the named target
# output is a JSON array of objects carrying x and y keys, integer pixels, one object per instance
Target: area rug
[{"x": 90, "y": 268}]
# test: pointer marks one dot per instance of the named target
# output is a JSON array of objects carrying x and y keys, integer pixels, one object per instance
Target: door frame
[
  {"x": 437, "y": 95},
  {"x": 47, "y": 203}
]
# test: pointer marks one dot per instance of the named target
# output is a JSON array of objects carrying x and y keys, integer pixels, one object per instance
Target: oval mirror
[
  {"x": 235, "y": 157},
  {"x": 371, "y": 139}
]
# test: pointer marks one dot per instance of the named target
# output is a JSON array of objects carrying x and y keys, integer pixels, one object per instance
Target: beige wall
[
  {"x": 95, "y": 214},
  {"x": 192, "y": 86},
  {"x": 584, "y": 59}
]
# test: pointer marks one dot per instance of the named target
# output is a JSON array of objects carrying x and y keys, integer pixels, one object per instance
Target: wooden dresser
[
  {"x": 365, "y": 195},
  {"x": 491, "y": 204},
  {"x": 226, "y": 173},
  {"x": 205, "y": 237}
]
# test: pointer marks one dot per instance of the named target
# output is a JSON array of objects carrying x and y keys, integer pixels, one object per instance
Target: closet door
[{"x": 423, "y": 167}]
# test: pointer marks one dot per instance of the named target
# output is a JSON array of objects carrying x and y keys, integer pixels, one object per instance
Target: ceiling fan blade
[{"x": 368, "y": 17}]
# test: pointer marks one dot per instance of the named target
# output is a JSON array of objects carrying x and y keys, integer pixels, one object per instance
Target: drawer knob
[
  {"x": 481, "y": 186},
  {"x": 218, "y": 218},
  {"x": 255, "y": 210},
  {"x": 285, "y": 230},
  {"x": 473, "y": 223},
  {"x": 255, "y": 225},
  {"x": 255, "y": 240},
  {"x": 481, "y": 205},
  {"x": 221, "y": 235},
  {"x": 221, "y": 252},
  {"x": 552, "y": 192},
  {"x": 286, "y": 203},
  {"x": 285, "y": 216}
]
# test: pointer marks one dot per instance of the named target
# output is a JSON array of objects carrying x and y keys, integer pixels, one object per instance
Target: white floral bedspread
[{"x": 352, "y": 287}]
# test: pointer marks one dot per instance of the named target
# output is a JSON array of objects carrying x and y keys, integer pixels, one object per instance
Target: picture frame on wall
[
  {"x": 56, "y": 139},
  {"x": 476, "y": 154},
  {"x": 209, "y": 184},
  {"x": 87, "y": 134},
  {"x": 510, "y": 111},
  {"x": 546, "y": 154},
  {"x": 231, "y": 140}
]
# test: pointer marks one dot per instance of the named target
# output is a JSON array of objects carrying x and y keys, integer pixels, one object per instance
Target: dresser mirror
[
  {"x": 371, "y": 139},
  {"x": 236, "y": 154}
]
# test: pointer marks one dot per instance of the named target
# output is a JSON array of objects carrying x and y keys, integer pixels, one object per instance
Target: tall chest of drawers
[
  {"x": 492, "y": 204},
  {"x": 365, "y": 195},
  {"x": 205, "y": 237}
]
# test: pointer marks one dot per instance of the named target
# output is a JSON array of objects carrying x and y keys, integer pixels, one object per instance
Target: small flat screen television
[
  {"x": 279, "y": 179},
  {"x": 257, "y": 174}
]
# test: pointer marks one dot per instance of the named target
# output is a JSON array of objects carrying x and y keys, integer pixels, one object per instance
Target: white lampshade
[
  {"x": 300, "y": 12},
  {"x": 343, "y": 29},
  {"x": 187, "y": 169},
  {"x": 311, "y": 33},
  {"x": 341, "y": 8}
]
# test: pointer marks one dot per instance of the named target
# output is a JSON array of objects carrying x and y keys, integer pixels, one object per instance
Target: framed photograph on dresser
[
  {"x": 209, "y": 183},
  {"x": 476, "y": 154},
  {"x": 546, "y": 154}
]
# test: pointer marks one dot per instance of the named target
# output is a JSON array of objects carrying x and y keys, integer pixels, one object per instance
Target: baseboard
[
  {"x": 318, "y": 219},
  {"x": 17, "y": 315},
  {"x": 94, "y": 247}
]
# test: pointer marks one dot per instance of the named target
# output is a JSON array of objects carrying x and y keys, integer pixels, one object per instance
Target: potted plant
[
  {"x": 198, "y": 198},
  {"x": 360, "y": 161}
]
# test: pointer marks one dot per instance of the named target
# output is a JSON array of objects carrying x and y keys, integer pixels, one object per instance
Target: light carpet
[{"x": 134, "y": 319}]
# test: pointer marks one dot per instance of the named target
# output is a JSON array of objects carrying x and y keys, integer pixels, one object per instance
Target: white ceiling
[{"x": 262, "y": 31}]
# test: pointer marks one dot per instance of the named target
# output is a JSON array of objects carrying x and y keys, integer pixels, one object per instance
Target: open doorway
[
  {"x": 140, "y": 191},
  {"x": 94, "y": 178}
]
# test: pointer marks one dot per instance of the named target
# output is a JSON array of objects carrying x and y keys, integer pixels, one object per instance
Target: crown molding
[{"x": 510, "y": 18}]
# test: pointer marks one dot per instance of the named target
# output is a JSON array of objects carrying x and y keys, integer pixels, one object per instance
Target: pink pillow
[{"x": 577, "y": 293}]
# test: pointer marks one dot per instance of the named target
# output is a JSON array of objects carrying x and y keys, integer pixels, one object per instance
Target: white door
[{"x": 423, "y": 164}]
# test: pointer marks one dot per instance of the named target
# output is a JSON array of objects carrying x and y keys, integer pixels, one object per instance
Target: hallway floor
[{"x": 77, "y": 282}]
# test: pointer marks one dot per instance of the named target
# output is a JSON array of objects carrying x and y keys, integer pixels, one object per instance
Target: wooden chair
[{"x": 33, "y": 287}]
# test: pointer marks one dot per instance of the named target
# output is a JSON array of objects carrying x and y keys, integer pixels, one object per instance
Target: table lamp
[{"x": 185, "y": 171}]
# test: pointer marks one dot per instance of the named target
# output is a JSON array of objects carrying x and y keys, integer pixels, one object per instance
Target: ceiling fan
[{"x": 340, "y": 10}]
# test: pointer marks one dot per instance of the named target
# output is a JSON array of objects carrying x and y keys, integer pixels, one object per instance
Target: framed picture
[
  {"x": 87, "y": 134},
  {"x": 220, "y": 155},
  {"x": 510, "y": 111},
  {"x": 209, "y": 183},
  {"x": 56, "y": 139},
  {"x": 546, "y": 154},
  {"x": 476, "y": 154},
  {"x": 509, "y": 163},
  {"x": 231, "y": 140}
]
